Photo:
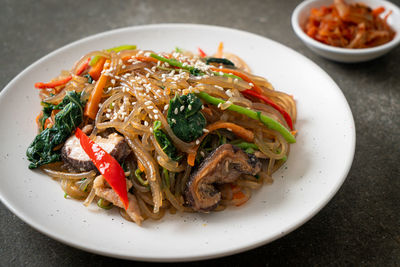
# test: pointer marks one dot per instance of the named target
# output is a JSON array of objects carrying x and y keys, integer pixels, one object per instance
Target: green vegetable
[
  {"x": 256, "y": 115},
  {"x": 176, "y": 63},
  {"x": 184, "y": 117},
  {"x": 244, "y": 145},
  {"x": 138, "y": 175},
  {"x": 115, "y": 49},
  {"x": 104, "y": 204},
  {"x": 83, "y": 184},
  {"x": 223, "y": 61},
  {"x": 166, "y": 178},
  {"x": 165, "y": 143},
  {"x": 41, "y": 151},
  {"x": 194, "y": 71},
  {"x": 179, "y": 50},
  {"x": 90, "y": 79}
]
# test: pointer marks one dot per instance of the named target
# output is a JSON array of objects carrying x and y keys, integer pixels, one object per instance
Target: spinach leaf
[
  {"x": 223, "y": 61},
  {"x": 41, "y": 151},
  {"x": 165, "y": 144},
  {"x": 184, "y": 117}
]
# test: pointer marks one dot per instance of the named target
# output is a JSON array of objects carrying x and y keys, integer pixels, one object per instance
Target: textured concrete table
[{"x": 360, "y": 226}]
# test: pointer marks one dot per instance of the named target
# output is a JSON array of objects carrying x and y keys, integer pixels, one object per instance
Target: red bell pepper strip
[
  {"x": 201, "y": 52},
  {"x": 285, "y": 115},
  {"x": 82, "y": 67},
  {"x": 63, "y": 81},
  {"x": 53, "y": 84},
  {"x": 107, "y": 166}
]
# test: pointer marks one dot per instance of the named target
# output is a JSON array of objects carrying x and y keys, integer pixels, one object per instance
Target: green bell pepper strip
[
  {"x": 115, "y": 49},
  {"x": 256, "y": 115},
  {"x": 193, "y": 70}
]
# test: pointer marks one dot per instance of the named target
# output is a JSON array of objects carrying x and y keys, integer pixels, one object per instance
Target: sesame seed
[
  {"x": 181, "y": 108},
  {"x": 206, "y": 130},
  {"x": 229, "y": 129},
  {"x": 166, "y": 107},
  {"x": 173, "y": 120},
  {"x": 202, "y": 153},
  {"x": 146, "y": 123},
  {"x": 229, "y": 93},
  {"x": 113, "y": 81},
  {"x": 155, "y": 110},
  {"x": 219, "y": 105},
  {"x": 176, "y": 111},
  {"x": 148, "y": 75},
  {"x": 235, "y": 81},
  {"x": 148, "y": 103},
  {"x": 197, "y": 141},
  {"x": 156, "y": 117},
  {"x": 123, "y": 67},
  {"x": 151, "y": 129},
  {"x": 251, "y": 84},
  {"x": 190, "y": 107}
]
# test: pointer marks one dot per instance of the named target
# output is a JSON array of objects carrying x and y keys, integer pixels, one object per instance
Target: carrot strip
[
  {"x": 146, "y": 59},
  {"x": 220, "y": 50},
  {"x": 82, "y": 67},
  {"x": 53, "y": 84},
  {"x": 141, "y": 167},
  {"x": 92, "y": 105},
  {"x": 241, "y": 75},
  {"x": 236, "y": 129},
  {"x": 38, "y": 118},
  {"x": 95, "y": 71},
  {"x": 239, "y": 195},
  {"x": 377, "y": 11}
]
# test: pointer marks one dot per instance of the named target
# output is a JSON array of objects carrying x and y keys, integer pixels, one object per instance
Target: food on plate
[
  {"x": 349, "y": 25},
  {"x": 153, "y": 132}
]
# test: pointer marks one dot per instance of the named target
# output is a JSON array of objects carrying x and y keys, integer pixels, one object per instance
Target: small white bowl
[{"x": 347, "y": 55}]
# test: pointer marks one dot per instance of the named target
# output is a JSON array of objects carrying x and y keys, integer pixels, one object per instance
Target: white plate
[{"x": 317, "y": 166}]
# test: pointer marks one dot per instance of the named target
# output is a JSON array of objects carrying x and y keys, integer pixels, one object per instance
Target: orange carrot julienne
[
  {"x": 92, "y": 105},
  {"x": 220, "y": 50},
  {"x": 377, "y": 11},
  {"x": 141, "y": 167},
  {"x": 95, "y": 71},
  {"x": 146, "y": 59},
  {"x": 236, "y": 129},
  {"x": 246, "y": 78},
  {"x": 239, "y": 195}
]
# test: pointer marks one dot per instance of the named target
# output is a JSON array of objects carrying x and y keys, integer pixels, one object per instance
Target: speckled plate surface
[{"x": 317, "y": 166}]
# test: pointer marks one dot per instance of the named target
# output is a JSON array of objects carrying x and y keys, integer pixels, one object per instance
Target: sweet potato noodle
[
  {"x": 349, "y": 25},
  {"x": 142, "y": 98}
]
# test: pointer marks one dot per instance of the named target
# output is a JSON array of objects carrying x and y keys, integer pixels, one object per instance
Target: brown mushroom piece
[
  {"x": 224, "y": 165},
  {"x": 73, "y": 154}
]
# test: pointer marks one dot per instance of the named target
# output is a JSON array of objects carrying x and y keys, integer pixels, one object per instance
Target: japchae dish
[{"x": 151, "y": 132}]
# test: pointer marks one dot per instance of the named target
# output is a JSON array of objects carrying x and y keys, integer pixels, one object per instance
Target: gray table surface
[{"x": 360, "y": 226}]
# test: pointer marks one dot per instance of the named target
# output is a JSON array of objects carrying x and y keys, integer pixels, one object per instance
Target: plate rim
[{"x": 292, "y": 227}]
